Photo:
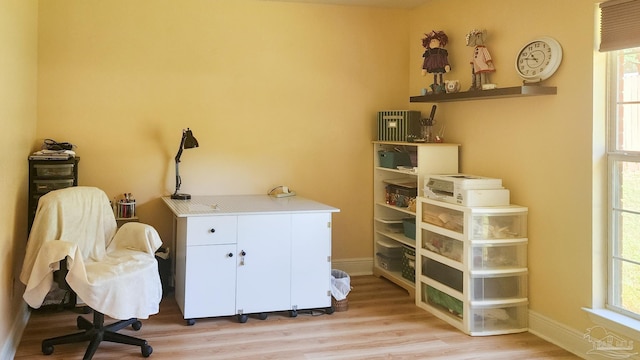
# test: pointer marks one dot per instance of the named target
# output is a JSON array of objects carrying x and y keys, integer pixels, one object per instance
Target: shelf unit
[
  {"x": 427, "y": 158},
  {"x": 516, "y": 91},
  {"x": 472, "y": 266}
]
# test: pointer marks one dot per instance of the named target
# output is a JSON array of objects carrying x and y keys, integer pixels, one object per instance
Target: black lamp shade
[{"x": 190, "y": 142}]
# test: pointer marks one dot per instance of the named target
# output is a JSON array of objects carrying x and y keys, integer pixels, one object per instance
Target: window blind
[{"x": 619, "y": 24}]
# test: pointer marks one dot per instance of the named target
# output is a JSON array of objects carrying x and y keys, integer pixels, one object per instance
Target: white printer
[{"x": 466, "y": 190}]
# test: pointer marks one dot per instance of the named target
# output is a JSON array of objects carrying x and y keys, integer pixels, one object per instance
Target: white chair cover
[{"x": 113, "y": 271}]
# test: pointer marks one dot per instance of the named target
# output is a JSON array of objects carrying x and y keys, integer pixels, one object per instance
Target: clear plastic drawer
[
  {"x": 443, "y": 245},
  {"x": 57, "y": 170},
  {"x": 499, "y": 255},
  {"x": 44, "y": 186},
  {"x": 499, "y": 226},
  {"x": 390, "y": 226},
  {"x": 499, "y": 286},
  {"x": 442, "y": 273},
  {"x": 496, "y": 319},
  {"x": 443, "y": 301},
  {"x": 443, "y": 217},
  {"x": 389, "y": 248}
]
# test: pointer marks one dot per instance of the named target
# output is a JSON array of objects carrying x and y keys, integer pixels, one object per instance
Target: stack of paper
[{"x": 52, "y": 155}]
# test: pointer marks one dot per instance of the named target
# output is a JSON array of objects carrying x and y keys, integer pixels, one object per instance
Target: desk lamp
[{"x": 187, "y": 142}]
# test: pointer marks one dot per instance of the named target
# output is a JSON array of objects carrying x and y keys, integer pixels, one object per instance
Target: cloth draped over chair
[{"x": 113, "y": 271}]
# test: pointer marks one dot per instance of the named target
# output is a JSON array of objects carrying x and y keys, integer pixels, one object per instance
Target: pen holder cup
[{"x": 126, "y": 209}]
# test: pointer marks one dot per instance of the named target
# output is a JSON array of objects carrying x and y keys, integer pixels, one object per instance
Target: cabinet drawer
[
  {"x": 443, "y": 245},
  {"x": 44, "y": 186},
  {"x": 209, "y": 230},
  {"x": 443, "y": 217},
  {"x": 57, "y": 170},
  {"x": 499, "y": 255},
  {"x": 499, "y": 226},
  {"x": 442, "y": 273},
  {"x": 500, "y": 286},
  {"x": 499, "y": 319},
  {"x": 443, "y": 301}
]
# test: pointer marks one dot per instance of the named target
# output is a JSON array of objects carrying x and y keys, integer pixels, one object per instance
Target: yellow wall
[
  {"x": 286, "y": 93},
  {"x": 18, "y": 71},
  {"x": 275, "y": 93},
  {"x": 541, "y": 147}
]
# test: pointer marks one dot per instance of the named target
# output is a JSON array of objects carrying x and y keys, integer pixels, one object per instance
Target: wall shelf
[{"x": 516, "y": 91}]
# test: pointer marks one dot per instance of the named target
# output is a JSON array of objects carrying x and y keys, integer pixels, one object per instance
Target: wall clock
[{"x": 539, "y": 59}]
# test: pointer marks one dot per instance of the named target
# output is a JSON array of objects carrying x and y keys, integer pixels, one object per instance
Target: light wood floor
[{"x": 382, "y": 322}]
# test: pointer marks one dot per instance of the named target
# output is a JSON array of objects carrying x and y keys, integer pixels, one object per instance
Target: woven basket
[{"x": 340, "y": 305}]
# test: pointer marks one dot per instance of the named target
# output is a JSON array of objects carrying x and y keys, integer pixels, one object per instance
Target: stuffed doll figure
[
  {"x": 481, "y": 62},
  {"x": 436, "y": 59}
]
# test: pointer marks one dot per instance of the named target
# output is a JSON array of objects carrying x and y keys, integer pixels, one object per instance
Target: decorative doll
[
  {"x": 436, "y": 59},
  {"x": 481, "y": 62}
]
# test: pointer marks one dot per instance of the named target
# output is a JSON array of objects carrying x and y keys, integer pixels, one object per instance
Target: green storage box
[
  {"x": 409, "y": 264},
  {"x": 438, "y": 298},
  {"x": 393, "y": 159},
  {"x": 409, "y": 225}
]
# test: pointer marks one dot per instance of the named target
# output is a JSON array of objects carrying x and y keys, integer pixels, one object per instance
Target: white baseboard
[
  {"x": 562, "y": 336},
  {"x": 539, "y": 325},
  {"x": 354, "y": 267},
  {"x": 18, "y": 324}
]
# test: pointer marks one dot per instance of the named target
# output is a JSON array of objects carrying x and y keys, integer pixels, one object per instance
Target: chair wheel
[
  {"x": 242, "y": 318},
  {"x": 47, "y": 349},
  {"x": 137, "y": 325},
  {"x": 190, "y": 322},
  {"x": 293, "y": 313},
  {"x": 146, "y": 350},
  {"x": 262, "y": 316}
]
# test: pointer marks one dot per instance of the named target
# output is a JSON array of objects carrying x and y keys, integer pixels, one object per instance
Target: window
[{"x": 623, "y": 158}]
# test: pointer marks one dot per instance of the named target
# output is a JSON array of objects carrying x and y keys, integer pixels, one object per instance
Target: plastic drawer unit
[
  {"x": 473, "y": 266},
  {"x": 49, "y": 175}
]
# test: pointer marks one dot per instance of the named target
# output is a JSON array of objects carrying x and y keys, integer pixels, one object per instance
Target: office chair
[{"x": 113, "y": 271}]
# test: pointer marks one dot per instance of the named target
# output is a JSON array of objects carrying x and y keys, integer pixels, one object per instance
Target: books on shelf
[{"x": 52, "y": 155}]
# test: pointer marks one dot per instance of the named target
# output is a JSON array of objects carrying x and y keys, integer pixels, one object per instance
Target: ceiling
[{"x": 403, "y": 4}]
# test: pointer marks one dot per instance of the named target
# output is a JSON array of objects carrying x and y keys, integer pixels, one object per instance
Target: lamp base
[{"x": 177, "y": 196}]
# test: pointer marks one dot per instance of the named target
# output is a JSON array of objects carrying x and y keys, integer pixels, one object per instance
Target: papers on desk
[
  {"x": 203, "y": 207},
  {"x": 52, "y": 155}
]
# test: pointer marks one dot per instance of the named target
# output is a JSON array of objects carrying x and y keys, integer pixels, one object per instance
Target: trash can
[
  {"x": 340, "y": 288},
  {"x": 164, "y": 269}
]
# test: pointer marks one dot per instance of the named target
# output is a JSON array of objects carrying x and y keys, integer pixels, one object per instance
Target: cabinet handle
[
  {"x": 230, "y": 255},
  {"x": 242, "y": 254},
  {"x": 212, "y": 230}
]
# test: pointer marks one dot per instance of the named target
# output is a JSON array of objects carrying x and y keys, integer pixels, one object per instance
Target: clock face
[{"x": 539, "y": 59}]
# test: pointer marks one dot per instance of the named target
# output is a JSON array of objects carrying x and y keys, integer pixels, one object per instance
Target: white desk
[{"x": 251, "y": 254}]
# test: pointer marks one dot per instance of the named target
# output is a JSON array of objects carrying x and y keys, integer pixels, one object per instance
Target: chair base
[{"x": 97, "y": 332}]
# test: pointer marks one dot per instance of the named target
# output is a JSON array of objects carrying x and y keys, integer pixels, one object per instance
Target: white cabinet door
[
  {"x": 264, "y": 271},
  {"x": 311, "y": 260},
  {"x": 210, "y": 281}
]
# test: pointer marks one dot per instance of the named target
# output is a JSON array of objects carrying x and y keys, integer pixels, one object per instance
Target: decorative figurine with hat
[{"x": 436, "y": 59}]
